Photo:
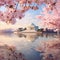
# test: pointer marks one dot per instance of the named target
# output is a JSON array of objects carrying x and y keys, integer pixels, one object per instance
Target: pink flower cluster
[{"x": 13, "y": 12}]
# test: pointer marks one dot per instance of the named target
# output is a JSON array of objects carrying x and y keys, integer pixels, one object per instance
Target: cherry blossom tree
[
  {"x": 51, "y": 15},
  {"x": 13, "y": 12}
]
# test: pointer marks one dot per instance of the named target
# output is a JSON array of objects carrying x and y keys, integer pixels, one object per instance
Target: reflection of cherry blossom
[
  {"x": 49, "y": 50},
  {"x": 10, "y": 53}
]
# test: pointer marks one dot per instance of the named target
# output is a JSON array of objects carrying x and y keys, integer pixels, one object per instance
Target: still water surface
[{"x": 26, "y": 43}]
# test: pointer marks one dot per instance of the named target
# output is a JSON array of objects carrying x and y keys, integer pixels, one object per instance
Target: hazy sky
[{"x": 30, "y": 17}]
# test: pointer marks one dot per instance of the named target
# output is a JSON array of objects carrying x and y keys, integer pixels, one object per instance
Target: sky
[{"x": 28, "y": 19}]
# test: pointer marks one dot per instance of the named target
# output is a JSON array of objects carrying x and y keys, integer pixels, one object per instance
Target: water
[{"x": 26, "y": 43}]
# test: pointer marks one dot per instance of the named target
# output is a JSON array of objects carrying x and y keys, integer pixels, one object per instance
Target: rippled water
[{"x": 26, "y": 43}]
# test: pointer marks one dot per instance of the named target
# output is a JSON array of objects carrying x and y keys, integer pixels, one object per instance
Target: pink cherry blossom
[
  {"x": 12, "y": 12},
  {"x": 50, "y": 20}
]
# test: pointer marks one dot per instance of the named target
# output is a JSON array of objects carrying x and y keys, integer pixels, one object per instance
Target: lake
[{"x": 26, "y": 43}]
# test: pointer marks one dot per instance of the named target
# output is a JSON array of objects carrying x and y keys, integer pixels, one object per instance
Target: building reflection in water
[{"x": 33, "y": 36}]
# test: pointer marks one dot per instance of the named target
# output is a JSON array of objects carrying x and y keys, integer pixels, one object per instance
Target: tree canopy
[{"x": 17, "y": 8}]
